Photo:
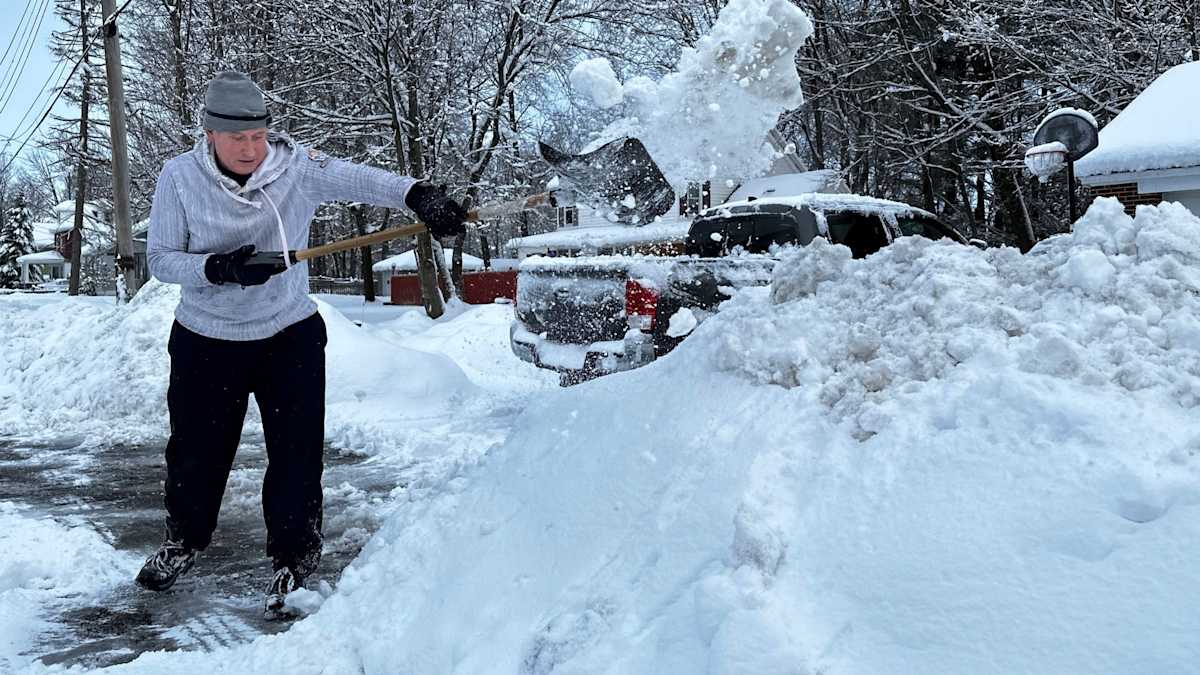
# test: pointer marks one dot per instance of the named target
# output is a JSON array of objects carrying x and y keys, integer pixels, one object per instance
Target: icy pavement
[{"x": 117, "y": 490}]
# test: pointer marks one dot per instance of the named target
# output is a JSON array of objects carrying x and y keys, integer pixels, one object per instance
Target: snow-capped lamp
[{"x": 1063, "y": 137}]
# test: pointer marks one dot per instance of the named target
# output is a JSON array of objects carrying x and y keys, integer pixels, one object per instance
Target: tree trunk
[
  {"x": 445, "y": 283},
  {"x": 360, "y": 221},
  {"x": 427, "y": 273},
  {"x": 485, "y": 249},
  {"x": 456, "y": 266}
]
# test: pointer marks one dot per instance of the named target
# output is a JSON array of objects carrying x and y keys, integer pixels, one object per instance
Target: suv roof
[{"x": 825, "y": 202}]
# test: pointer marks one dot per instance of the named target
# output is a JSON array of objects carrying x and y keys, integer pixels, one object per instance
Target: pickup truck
[{"x": 591, "y": 316}]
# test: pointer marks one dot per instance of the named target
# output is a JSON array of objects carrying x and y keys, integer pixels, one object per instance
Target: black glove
[
  {"x": 443, "y": 216},
  {"x": 235, "y": 267}
]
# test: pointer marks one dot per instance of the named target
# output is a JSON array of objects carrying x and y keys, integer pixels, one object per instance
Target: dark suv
[{"x": 586, "y": 317}]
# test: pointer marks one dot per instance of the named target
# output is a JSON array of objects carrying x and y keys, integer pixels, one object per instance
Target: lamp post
[{"x": 1064, "y": 136}]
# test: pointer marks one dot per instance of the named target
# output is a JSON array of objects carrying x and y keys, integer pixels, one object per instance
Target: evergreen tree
[{"x": 16, "y": 239}]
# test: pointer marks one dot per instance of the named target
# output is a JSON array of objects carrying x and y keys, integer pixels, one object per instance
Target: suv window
[
  {"x": 863, "y": 234},
  {"x": 918, "y": 226},
  {"x": 924, "y": 226}
]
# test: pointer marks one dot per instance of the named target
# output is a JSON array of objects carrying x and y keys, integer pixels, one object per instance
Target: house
[
  {"x": 107, "y": 260},
  {"x": 397, "y": 277},
  {"x": 405, "y": 264},
  {"x": 1150, "y": 153},
  {"x": 44, "y": 263},
  {"x": 53, "y": 240}
]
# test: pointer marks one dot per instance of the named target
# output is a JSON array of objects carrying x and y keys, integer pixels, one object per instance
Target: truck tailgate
[{"x": 572, "y": 300}]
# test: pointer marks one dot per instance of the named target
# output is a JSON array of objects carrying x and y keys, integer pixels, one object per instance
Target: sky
[{"x": 23, "y": 88}]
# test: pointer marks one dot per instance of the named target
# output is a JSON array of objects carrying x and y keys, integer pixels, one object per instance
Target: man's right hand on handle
[
  {"x": 443, "y": 216},
  {"x": 233, "y": 268}
]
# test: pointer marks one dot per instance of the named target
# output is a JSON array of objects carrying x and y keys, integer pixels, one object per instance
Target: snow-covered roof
[
  {"x": 674, "y": 228},
  {"x": 821, "y": 180},
  {"x": 407, "y": 262},
  {"x": 65, "y": 211},
  {"x": 43, "y": 234},
  {"x": 1157, "y": 130},
  {"x": 832, "y": 202},
  {"x": 41, "y": 258}
]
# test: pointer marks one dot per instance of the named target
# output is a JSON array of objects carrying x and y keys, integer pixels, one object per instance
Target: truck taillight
[{"x": 641, "y": 304}]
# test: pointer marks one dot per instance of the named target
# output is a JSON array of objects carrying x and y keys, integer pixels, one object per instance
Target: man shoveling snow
[{"x": 245, "y": 327}]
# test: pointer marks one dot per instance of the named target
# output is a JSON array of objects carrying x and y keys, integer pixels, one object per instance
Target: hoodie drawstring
[{"x": 287, "y": 258}]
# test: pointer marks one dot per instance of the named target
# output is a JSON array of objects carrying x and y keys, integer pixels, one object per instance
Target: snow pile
[
  {"x": 101, "y": 371},
  {"x": 1155, "y": 131},
  {"x": 1112, "y": 304},
  {"x": 45, "y": 561},
  {"x": 934, "y": 460},
  {"x": 87, "y": 365},
  {"x": 712, "y": 114},
  {"x": 375, "y": 388}
]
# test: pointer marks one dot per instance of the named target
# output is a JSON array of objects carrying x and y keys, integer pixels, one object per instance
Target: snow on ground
[
  {"x": 90, "y": 368},
  {"x": 44, "y": 563},
  {"x": 711, "y": 115},
  {"x": 934, "y": 460}
]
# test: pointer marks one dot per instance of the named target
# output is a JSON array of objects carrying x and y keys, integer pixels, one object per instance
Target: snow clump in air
[
  {"x": 745, "y": 65},
  {"x": 595, "y": 79}
]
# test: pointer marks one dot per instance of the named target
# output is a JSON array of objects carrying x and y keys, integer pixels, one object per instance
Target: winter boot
[
  {"x": 166, "y": 565},
  {"x": 285, "y": 581}
]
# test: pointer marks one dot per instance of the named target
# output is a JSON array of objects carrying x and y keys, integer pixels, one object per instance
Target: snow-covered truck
[{"x": 590, "y": 316}]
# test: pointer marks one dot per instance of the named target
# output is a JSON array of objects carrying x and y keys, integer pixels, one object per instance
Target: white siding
[{"x": 1189, "y": 198}]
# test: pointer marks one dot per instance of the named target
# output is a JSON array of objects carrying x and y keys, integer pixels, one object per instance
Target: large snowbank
[
  {"x": 710, "y": 116},
  {"x": 45, "y": 562},
  {"x": 1157, "y": 130},
  {"x": 934, "y": 460}
]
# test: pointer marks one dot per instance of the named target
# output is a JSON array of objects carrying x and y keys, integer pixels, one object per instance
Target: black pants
[{"x": 211, "y": 381}]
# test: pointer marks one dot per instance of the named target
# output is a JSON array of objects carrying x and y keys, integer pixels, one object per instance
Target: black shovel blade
[
  {"x": 270, "y": 258},
  {"x": 618, "y": 177}
]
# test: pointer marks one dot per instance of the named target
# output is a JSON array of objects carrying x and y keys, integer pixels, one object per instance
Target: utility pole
[
  {"x": 76, "y": 240},
  {"x": 126, "y": 261}
]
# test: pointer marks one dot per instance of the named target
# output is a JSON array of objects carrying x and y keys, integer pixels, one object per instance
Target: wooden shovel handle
[
  {"x": 358, "y": 242},
  {"x": 474, "y": 215}
]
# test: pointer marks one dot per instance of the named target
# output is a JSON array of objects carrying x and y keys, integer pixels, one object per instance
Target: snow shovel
[{"x": 619, "y": 177}]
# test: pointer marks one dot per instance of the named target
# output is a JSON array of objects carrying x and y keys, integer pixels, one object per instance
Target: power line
[
  {"x": 20, "y": 70},
  {"x": 16, "y": 31},
  {"x": 55, "y": 74},
  {"x": 74, "y": 69}
]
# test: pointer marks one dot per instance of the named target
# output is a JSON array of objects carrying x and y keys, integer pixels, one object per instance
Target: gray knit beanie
[{"x": 234, "y": 103}]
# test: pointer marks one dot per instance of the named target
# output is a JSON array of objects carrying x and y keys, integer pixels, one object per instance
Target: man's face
[{"x": 240, "y": 151}]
